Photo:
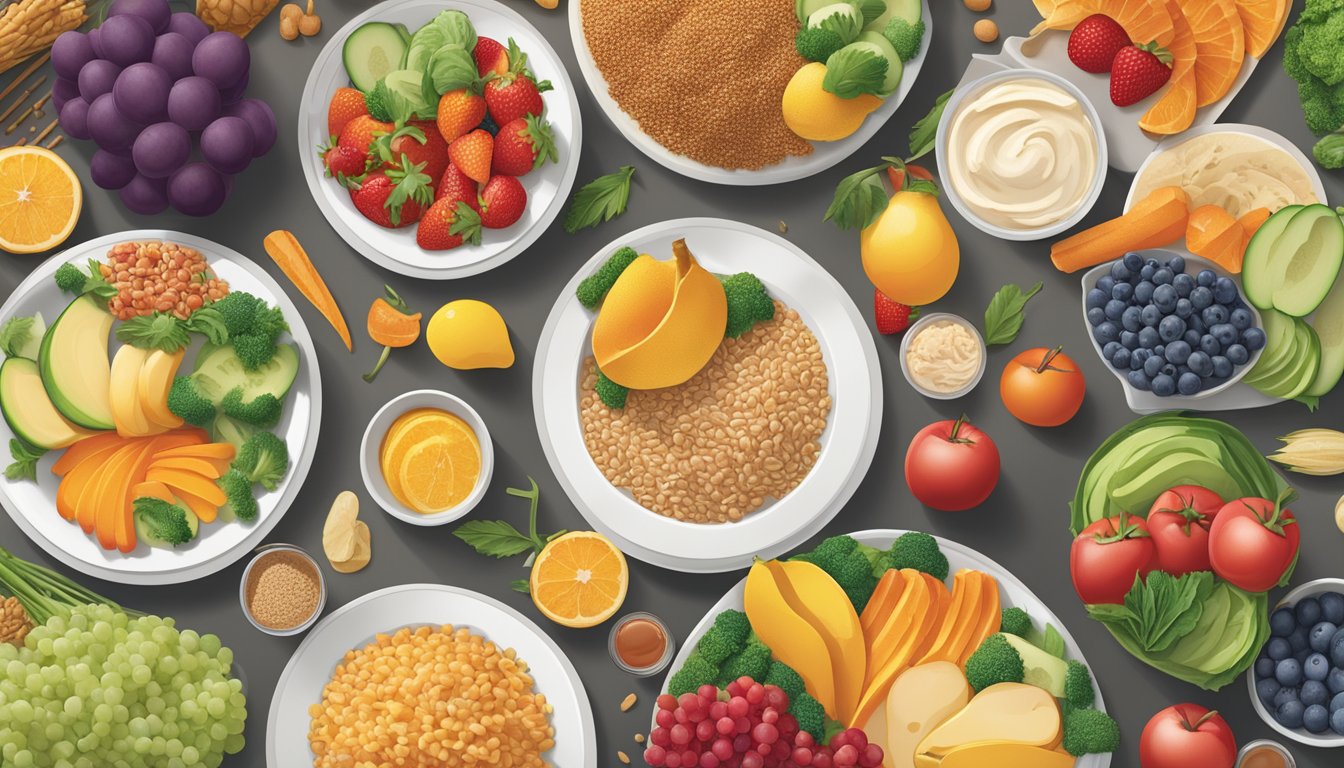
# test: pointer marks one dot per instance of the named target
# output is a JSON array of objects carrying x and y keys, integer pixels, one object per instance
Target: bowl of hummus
[
  {"x": 1022, "y": 154},
  {"x": 943, "y": 356}
]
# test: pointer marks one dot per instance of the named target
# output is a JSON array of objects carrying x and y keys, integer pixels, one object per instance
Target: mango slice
[
  {"x": 815, "y": 596},
  {"x": 789, "y": 636}
]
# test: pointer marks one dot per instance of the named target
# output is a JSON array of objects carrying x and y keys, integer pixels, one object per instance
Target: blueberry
[
  {"x": 1122, "y": 291},
  {"x": 1153, "y": 366},
  {"x": 1141, "y": 355},
  {"x": 1201, "y": 298},
  {"x": 1119, "y": 273},
  {"x": 1129, "y": 339},
  {"x": 1278, "y": 648},
  {"x": 1237, "y": 354},
  {"x": 1106, "y": 283},
  {"x": 1298, "y": 639},
  {"x": 1289, "y": 714},
  {"x": 1096, "y": 315},
  {"x": 1253, "y": 339},
  {"x": 1316, "y": 719},
  {"x": 1120, "y": 360},
  {"x": 1222, "y": 367},
  {"x": 1313, "y": 692},
  {"x": 1096, "y": 298},
  {"x": 1183, "y": 284},
  {"x": 1288, "y": 672},
  {"x": 1282, "y": 622},
  {"x": 1320, "y": 636},
  {"x": 1171, "y": 328},
  {"x": 1151, "y": 315},
  {"x": 1188, "y": 384},
  {"x": 1148, "y": 337},
  {"x": 1184, "y": 308},
  {"x": 1163, "y": 276},
  {"x": 1161, "y": 351},
  {"x": 1108, "y": 350},
  {"x": 1139, "y": 380},
  {"x": 1241, "y": 318},
  {"x": 1337, "y": 722},
  {"x": 1285, "y": 694},
  {"x": 1206, "y": 278},
  {"x": 1143, "y": 292},
  {"x": 1170, "y": 370},
  {"x": 1164, "y": 298},
  {"x": 1192, "y": 337},
  {"x": 1265, "y": 688},
  {"x": 1308, "y": 611},
  {"x": 1178, "y": 352},
  {"x": 1332, "y": 607},
  {"x": 1264, "y": 666},
  {"x": 1132, "y": 319},
  {"x": 1132, "y": 261},
  {"x": 1214, "y": 315},
  {"x": 1209, "y": 345},
  {"x": 1196, "y": 323},
  {"x": 1164, "y": 385},
  {"x": 1337, "y": 703},
  {"x": 1107, "y": 332},
  {"x": 1224, "y": 291},
  {"x": 1114, "y": 309},
  {"x": 1334, "y": 682},
  {"x": 1200, "y": 364},
  {"x": 1317, "y": 668},
  {"x": 1176, "y": 264},
  {"x": 1147, "y": 271},
  {"x": 1224, "y": 333}
]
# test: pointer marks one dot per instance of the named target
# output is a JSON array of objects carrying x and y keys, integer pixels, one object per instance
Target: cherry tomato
[
  {"x": 1253, "y": 542},
  {"x": 1179, "y": 521},
  {"x": 1042, "y": 387},
  {"x": 951, "y": 465},
  {"x": 1108, "y": 556},
  {"x": 1187, "y": 736}
]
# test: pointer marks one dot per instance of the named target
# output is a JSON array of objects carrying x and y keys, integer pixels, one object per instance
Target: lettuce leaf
[
  {"x": 855, "y": 70},
  {"x": 451, "y": 68},
  {"x": 449, "y": 27},
  {"x": 1158, "y": 612}
]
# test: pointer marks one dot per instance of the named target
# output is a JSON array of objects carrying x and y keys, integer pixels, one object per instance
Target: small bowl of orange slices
[{"x": 426, "y": 457}]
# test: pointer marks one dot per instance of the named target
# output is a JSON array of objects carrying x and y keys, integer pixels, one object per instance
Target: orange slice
[
  {"x": 40, "y": 199},
  {"x": 579, "y": 579},
  {"x": 1144, "y": 20},
  {"x": 1262, "y": 21},
  {"x": 411, "y": 429},
  {"x": 1175, "y": 111},
  {"x": 1221, "y": 43},
  {"x": 439, "y": 472}
]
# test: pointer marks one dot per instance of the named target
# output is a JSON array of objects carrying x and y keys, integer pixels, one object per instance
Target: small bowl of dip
[
  {"x": 1263, "y": 753},
  {"x": 641, "y": 644},
  {"x": 282, "y": 590},
  {"x": 943, "y": 356},
  {"x": 1022, "y": 154}
]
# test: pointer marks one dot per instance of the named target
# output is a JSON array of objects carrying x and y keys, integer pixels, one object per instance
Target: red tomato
[
  {"x": 1253, "y": 542},
  {"x": 1179, "y": 521},
  {"x": 951, "y": 465},
  {"x": 1108, "y": 556},
  {"x": 1187, "y": 736},
  {"x": 1042, "y": 387}
]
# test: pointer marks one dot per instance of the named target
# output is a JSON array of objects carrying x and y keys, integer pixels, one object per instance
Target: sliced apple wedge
[
  {"x": 124, "y": 393},
  {"x": 156, "y": 378}
]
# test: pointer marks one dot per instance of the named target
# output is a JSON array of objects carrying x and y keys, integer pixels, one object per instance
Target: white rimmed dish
[
  {"x": 847, "y": 444},
  {"x": 976, "y": 88},
  {"x": 263, "y": 552},
  {"x": 547, "y": 187},
  {"x": 1300, "y": 735},
  {"x": 371, "y": 444},
  {"x": 824, "y": 154},
  {"x": 32, "y": 506},
  {"x": 1012, "y": 593},
  {"x": 355, "y": 624},
  {"x": 922, "y": 323}
]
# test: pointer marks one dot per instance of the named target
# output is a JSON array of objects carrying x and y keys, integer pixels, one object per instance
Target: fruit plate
[
  {"x": 547, "y": 187},
  {"x": 847, "y": 444},
  {"x": 823, "y": 156},
  {"x": 33, "y": 505},
  {"x": 356, "y": 623},
  {"x": 1012, "y": 593}
]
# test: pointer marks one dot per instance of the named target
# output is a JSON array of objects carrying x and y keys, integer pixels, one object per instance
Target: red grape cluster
[{"x": 746, "y": 726}]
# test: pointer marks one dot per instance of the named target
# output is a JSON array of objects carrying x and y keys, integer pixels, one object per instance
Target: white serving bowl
[
  {"x": 1300, "y": 735},
  {"x": 977, "y": 87},
  {"x": 371, "y": 470},
  {"x": 924, "y": 322},
  {"x": 1090, "y": 278}
]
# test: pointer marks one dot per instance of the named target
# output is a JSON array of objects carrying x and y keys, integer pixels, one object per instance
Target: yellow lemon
[
  {"x": 819, "y": 115},
  {"x": 579, "y": 579},
  {"x": 467, "y": 334}
]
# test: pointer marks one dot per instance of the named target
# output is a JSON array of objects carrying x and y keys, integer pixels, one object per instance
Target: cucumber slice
[
  {"x": 1306, "y": 260},
  {"x": 1329, "y": 324},
  {"x": 372, "y": 51},
  {"x": 1279, "y": 339},
  {"x": 219, "y": 371},
  {"x": 1255, "y": 263}
]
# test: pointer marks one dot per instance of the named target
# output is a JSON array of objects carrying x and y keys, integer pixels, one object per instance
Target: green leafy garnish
[
  {"x": 15, "y": 333},
  {"x": 452, "y": 68},
  {"x": 1329, "y": 151},
  {"x": 1053, "y": 643},
  {"x": 1003, "y": 316},
  {"x": 521, "y": 585},
  {"x": 853, "y": 71},
  {"x": 1160, "y": 610},
  {"x": 924, "y": 132},
  {"x": 448, "y": 28},
  {"x": 25, "y": 461},
  {"x": 601, "y": 199},
  {"x": 860, "y": 197},
  {"x": 166, "y": 332},
  {"x": 498, "y": 538}
]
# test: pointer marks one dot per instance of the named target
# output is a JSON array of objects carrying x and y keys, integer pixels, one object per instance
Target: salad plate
[{"x": 32, "y": 505}]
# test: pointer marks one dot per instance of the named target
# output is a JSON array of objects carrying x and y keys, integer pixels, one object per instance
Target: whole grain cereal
[
  {"x": 703, "y": 78},
  {"x": 745, "y": 429}
]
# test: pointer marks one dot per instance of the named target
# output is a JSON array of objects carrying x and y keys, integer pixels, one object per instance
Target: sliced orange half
[
  {"x": 1263, "y": 22},
  {"x": 1221, "y": 43},
  {"x": 40, "y": 199},
  {"x": 438, "y": 473},
  {"x": 579, "y": 580}
]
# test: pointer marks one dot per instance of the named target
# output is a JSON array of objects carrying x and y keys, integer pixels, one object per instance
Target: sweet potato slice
[
  {"x": 84, "y": 449},
  {"x": 205, "y": 511},
  {"x": 1158, "y": 219},
  {"x": 189, "y": 482},
  {"x": 189, "y": 464},
  {"x": 223, "y": 451},
  {"x": 152, "y": 490}
]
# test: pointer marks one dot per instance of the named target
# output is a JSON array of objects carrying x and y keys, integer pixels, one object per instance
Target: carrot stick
[{"x": 284, "y": 248}]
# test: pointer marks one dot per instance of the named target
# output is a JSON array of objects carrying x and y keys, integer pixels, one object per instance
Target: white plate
[
  {"x": 824, "y": 154},
  {"x": 547, "y": 187},
  {"x": 33, "y": 506},
  {"x": 847, "y": 444},
  {"x": 1012, "y": 593},
  {"x": 387, "y": 610}
]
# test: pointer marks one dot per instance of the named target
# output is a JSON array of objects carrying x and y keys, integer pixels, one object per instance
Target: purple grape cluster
[{"x": 162, "y": 97}]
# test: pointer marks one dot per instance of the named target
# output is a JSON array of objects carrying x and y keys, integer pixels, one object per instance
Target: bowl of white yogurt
[
  {"x": 1022, "y": 154},
  {"x": 943, "y": 356}
]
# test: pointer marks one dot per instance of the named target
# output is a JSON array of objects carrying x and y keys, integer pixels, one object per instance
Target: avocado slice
[
  {"x": 28, "y": 410},
  {"x": 1304, "y": 261},
  {"x": 74, "y": 364},
  {"x": 1255, "y": 263},
  {"x": 1041, "y": 669},
  {"x": 1300, "y": 371},
  {"x": 1329, "y": 325},
  {"x": 1196, "y": 465}
]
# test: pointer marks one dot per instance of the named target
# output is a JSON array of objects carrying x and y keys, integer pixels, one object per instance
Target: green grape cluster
[{"x": 101, "y": 689}]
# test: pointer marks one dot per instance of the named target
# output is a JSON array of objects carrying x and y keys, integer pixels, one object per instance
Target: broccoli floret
[
  {"x": 1078, "y": 689},
  {"x": 378, "y": 101},
  {"x": 811, "y": 716},
  {"x": 994, "y": 662},
  {"x": 163, "y": 521},
  {"x": 693, "y": 674},
  {"x": 1311, "y": 57},
  {"x": 1015, "y": 621},
  {"x": 1329, "y": 151},
  {"x": 261, "y": 411},
  {"x": 727, "y": 637},
  {"x": 254, "y": 327},
  {"x": 845, "y": 561},
  {"x": 594, "y": 287},
  {"x": 240, "y": 502},
  {"x": 817, "y": 44},
  {"x": 611, "y": 394},
  {"x": 752, "y": 661},
  {"x": 919, "y": 551},
  {"x": 786, "y": 679},
  {"x": 71, "y": 279},
  {"x": 748, "y": 303},
  {"x": 1090, "y": 731},
  {"x": 186, "y": 400},
  {"x": 905, "y": 37},
  {"x": 263, "y": 459}
]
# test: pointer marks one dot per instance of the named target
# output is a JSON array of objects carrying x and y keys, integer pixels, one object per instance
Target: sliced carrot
[
  {"x": 223, "y": 451},
  {"x": 78, "y": 476},
  {"x": 1252, "y": 219},
  {"x": 284, "y": 248},
  {"x": 124, "y": 500},
  {"x": 152, "y": 490},
  {"x": 204, "y": 510},
  {"x": 99, "y": 507},
  {"x": 189, "y": 464},
  {"x": 1158, "y": 219},
  {"x": 1215, "y": 235},
  {"x": 82, "y": 450},
  {"x": 189, "y": 482}
]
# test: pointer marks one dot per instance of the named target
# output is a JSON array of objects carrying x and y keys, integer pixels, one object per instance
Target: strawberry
[
  {"x": 346, "y": 105},
  {"x": 346, "y": 164},
  {"x": 419, "y": 142},
  {"x": 523, "y": 145},
  {"x": 361, "y": 132},
  {"x": 890, "y": 316},
  {"x": 513, "y": 94},
  {"x": 1138, "y": 72},
  {"x": 1095, "y": 41},
  {"x": 458, "y": 186},
  {"x": 393, "y": 198},
  {"x": 490, "y": 57},
  {"x": 503, "y": 201},
  {"x": 472, "y": 154},
  {"x": 459, "y": 111},
  {"x": 448, "y": 224}
]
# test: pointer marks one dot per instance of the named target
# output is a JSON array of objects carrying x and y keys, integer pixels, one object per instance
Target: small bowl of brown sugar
[{"x": 282, "y": 590}]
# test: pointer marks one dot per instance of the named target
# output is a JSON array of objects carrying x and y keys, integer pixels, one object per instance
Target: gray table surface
[{"x": 1024, "y": 525}]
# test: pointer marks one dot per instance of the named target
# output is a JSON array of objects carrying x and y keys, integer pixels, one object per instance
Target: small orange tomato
[{"x": 1042, "y": 387}]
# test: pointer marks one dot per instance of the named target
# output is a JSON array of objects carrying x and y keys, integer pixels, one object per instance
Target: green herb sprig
[
  {"x": 500, "y": 539},
  {"x": 600, "y": 200},
  {"x": 25, "y": 458},
  {"x": 15, "y": 333},
  {"x": 1004, "y": 315}
]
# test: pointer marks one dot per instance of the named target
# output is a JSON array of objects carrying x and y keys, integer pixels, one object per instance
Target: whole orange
[{"x": 1042, "y": 387}]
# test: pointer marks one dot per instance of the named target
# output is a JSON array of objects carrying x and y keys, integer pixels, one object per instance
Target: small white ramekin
[{"x": 919, "y": 325}]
